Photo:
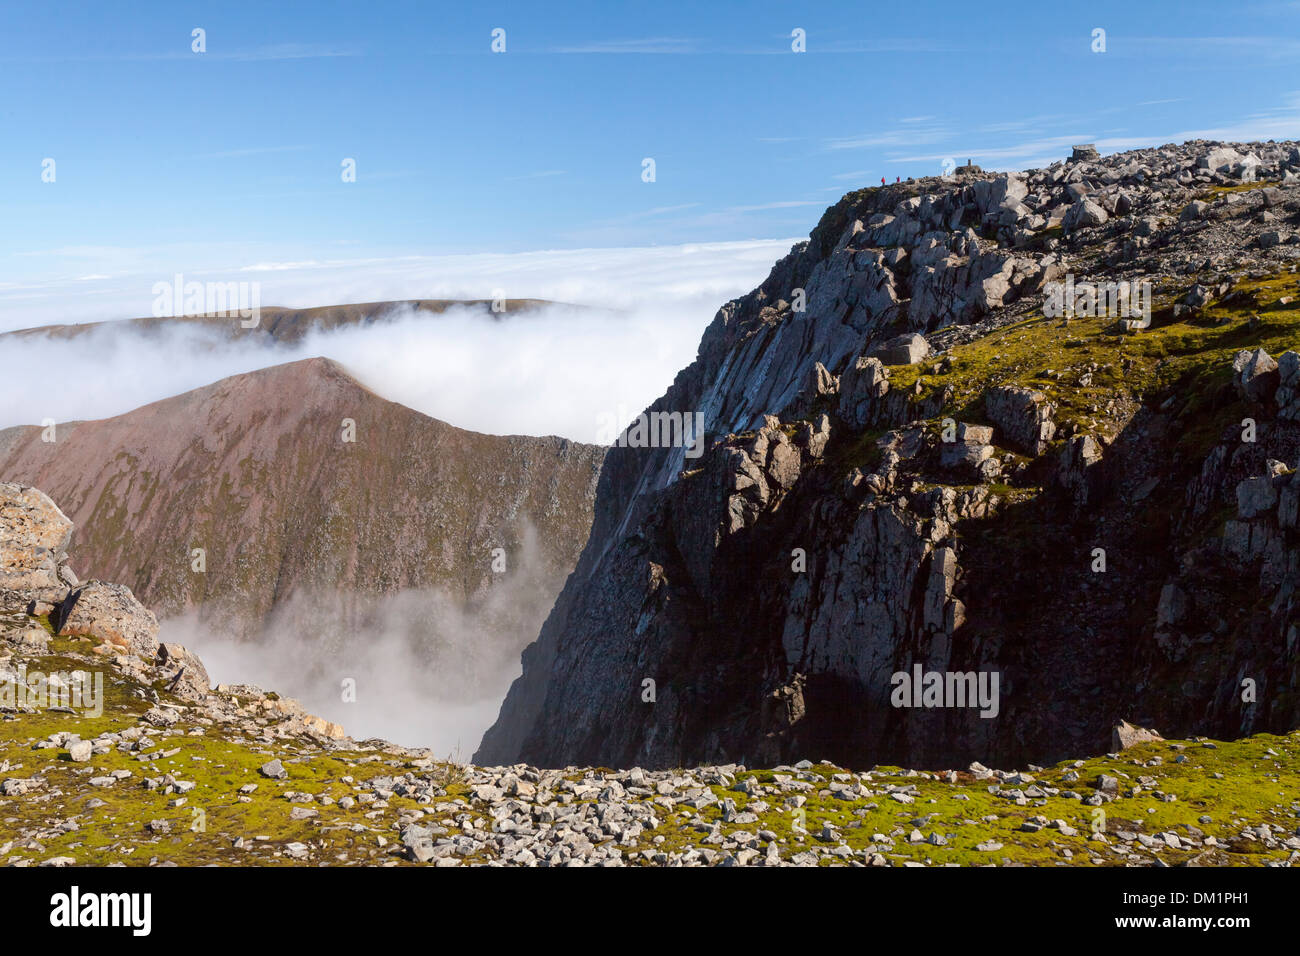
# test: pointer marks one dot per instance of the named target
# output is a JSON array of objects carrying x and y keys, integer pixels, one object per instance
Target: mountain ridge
[
  {"x": 255, "y": 469},
  {"x": 285, "y": 324}
]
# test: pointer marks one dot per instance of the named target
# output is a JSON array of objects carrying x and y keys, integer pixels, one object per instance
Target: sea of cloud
[{"x": 623, "y": 323}]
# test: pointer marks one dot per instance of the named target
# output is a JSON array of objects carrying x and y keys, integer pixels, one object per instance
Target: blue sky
[{"x": 171, "y": 160}]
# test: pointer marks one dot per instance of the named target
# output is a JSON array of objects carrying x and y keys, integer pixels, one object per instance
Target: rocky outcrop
[
  {"x": 1126, "y": 735},
  {"x": 1255, "y": 375},
  {"x": 906, "y": 349},
  {"x": 756, "y": 604},
  {"x": 107, "y": 612},
  {"x": 861, "y": 387},
  {"x": 34, "y": 536},
  {"x": 107, "y": 620},
  {"x": 1024, "y": 416},
  {"x": 1288, "y": 390},
  {"x": 971, "y": 452}
]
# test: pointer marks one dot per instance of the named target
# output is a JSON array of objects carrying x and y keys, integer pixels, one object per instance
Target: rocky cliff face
[
  {"x": 915, "y": 460},
  {"x": 298, "y": 482}
]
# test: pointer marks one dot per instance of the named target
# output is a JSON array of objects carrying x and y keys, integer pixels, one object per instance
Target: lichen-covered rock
[{"x": 109, "y": 612}]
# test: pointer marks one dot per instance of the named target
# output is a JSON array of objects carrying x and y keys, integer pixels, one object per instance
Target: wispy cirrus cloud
[
  {"x": 277, "y": 51},
  {"x": 1254, "y": 46},
  {"x": 663, "y": 210},
  {"x": 251, "y": 151},
  {"x": 288, "y": 51},
  {"x": 761, "y": 207},
  {"x": 911, "y": 135},
  {"x": 636, "y": 45},
  {"x": 1280, "y": 122},
  {"x": 818, "y": 44},
  {"x": 540, "y": 174}
]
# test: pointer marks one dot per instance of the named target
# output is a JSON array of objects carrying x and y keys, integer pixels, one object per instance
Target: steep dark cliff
[{"x": 914, "y": 460}]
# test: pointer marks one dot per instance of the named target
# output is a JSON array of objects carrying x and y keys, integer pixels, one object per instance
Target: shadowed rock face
[
  {"x": 826, "y": 541},
  {"x": 254, "y": 470}
]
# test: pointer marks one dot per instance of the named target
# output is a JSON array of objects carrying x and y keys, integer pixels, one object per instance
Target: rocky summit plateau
[{"x": 1000, "y": 471}]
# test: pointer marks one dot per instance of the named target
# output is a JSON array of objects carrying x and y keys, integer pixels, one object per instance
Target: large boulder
[
  {"x": 110, "y": 613},
  {"x": 1255, "y": 375},
  {"x": 972, "y": 452},
  {"x": 1219, "y": 159},
  {"x": 906, "y": 349},
  {"x": 34, "y": 536},
  {"x": 1125, "y": 735},
  {"x": 188, "y": 678},
  {"x": 1024, "y": 416},
  {"x": 1084, "y": 214}
]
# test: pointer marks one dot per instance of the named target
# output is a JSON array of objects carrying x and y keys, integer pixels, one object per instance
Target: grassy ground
[
  {"x": 1231, "y": 784},
  {"x": 1087, "y": 366}
]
